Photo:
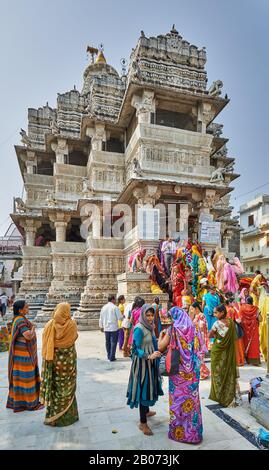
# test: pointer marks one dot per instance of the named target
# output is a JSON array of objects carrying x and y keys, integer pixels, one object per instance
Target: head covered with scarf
[
  {"x": 143, "y": 317},
  {"x": 60, "y": 332},
  {"x": 188, "y": 339}
]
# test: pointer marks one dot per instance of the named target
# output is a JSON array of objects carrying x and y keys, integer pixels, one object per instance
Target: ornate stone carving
[
  {"x": 215, "y": 89},
  {"x": 144, "y": 105},
  {"x": 147, "y": 196},
  {"x": 25, "y": 139}
]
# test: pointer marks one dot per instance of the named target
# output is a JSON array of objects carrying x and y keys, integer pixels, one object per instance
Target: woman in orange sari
[
  {"x": 234, "y": 314},
  {"x": 250, "y": 317}
]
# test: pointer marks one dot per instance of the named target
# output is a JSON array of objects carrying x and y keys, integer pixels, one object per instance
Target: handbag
[
  {"x": 169, "y": 362},
  {"x": 239, "y": 330}
]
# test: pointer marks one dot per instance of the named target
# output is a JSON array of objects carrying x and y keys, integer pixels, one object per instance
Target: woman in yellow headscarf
[{"x": 59, "y": 370}]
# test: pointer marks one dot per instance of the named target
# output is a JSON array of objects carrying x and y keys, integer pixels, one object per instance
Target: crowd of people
[{"x": 214, "y": 311}]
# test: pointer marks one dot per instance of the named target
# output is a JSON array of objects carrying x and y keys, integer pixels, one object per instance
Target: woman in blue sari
[
  {"x": 144, "y": 385},
  {"x": 211, "y": 300}
]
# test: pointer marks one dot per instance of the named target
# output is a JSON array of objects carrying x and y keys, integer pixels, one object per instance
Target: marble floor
[{"x": 106, "y": 422}]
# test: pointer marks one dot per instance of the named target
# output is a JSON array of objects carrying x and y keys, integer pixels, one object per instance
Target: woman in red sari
[
  {"x": 178, "y": 279},
  {"x": 250, "y": 317},
  {"x": 234, "y": 314}
]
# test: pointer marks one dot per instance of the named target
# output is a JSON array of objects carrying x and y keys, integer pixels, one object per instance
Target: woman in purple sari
[{"x": 184, "y": 401}]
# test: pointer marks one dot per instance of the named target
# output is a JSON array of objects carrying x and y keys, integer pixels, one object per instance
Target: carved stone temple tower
[{"x": 145, "y": 138}]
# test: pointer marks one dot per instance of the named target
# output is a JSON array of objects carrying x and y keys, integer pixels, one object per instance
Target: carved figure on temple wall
[
  {"x": 217, "y": 175},
  {"x": 215, "y": 89},
  {"x": 25, "y": 139},
  {"x": 20, "y": 205},
  {"x": 54, "y": 126},
  {"x": 137, "y": 168}
]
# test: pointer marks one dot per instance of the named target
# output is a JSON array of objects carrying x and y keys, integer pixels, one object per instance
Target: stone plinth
[
  {"x": 105, "y": 260},
  {"x": 260, "y": 405},
  {"x": 69, "y": 277},
  {"x": 133, "y": 284},
  {"x": 37, "y": 275}
]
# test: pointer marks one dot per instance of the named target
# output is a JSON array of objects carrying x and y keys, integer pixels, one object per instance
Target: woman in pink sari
[{"x": 135, "y": 314}]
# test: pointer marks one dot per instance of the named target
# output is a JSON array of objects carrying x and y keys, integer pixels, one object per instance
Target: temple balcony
[
  {"x": 68, "y": 181},
  {"x": 37, "y": 188},
  {"x": 169, "y": 153},
  {"x": 106, "y": 171}
]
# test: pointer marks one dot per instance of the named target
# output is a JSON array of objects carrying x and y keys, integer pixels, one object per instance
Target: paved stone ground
[{"x": 102, "y": 408}]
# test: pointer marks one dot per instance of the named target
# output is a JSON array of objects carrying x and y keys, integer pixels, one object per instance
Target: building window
[
  {"x": 267, "y": 270},
  {"x": 250, "y": 220},
  {"x": 251, "y": 269},
  {"x": 267, "y": 240}
]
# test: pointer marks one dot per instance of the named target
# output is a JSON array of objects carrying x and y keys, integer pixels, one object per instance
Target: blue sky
[{"x": 43, "y": 52}]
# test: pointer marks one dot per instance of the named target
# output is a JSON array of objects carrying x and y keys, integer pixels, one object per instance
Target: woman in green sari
[
  {"x": 223, "y": 359},
  {"x": 59, "y": 370}
]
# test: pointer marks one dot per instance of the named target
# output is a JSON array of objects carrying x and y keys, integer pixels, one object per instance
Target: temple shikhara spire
[{"x": 142, "y": 139}]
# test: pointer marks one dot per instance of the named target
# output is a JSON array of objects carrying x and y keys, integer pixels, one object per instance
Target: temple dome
[{"x": 98, "y": 69}]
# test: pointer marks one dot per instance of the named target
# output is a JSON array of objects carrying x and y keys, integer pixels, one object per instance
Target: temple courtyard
[{"x": 106, "y": 423}]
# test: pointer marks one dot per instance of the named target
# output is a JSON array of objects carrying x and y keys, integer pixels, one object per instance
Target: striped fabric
[{"x": 24, "y": 380}]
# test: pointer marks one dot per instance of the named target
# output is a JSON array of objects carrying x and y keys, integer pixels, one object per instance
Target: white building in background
[{"x": 254, "y": 244}]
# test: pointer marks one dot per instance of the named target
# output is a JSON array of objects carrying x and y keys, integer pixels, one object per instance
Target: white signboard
[{"x": 210, "y": 233}]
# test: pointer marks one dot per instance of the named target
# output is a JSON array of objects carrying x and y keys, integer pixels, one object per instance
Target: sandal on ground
[{"x": 145, "y": 429}]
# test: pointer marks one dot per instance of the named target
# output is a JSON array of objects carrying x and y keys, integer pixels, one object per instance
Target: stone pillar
[
  {"x": 204, "y": 117},
  {"x": 60, "y": 220},
  {"x": 105, "y": 261},
  {"x": 145, "y": 105},
  {"x": 30, "y": 227},
  {"x": 98, "y": 135},
  {"x": 31, "y": 162},
  {"x": 61, "y": 150}
]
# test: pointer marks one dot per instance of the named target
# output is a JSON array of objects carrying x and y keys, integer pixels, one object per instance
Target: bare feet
[
  {"x": 145, "y": 429},
  {"x": 151, "y": 413}
]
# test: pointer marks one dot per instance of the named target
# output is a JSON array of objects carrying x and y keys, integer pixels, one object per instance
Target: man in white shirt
[
  {"x": 169, "y": 248},
  {"x": 108, "y": 322},
  {"x": 4, "y": 302}
]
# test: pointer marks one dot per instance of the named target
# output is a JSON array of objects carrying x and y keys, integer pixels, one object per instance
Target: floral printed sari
[{"x": 184, "y": 402}]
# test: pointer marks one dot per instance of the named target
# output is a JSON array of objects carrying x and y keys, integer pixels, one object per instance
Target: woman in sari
[
  {"x": 210, "y": 301},
  {"x": 59, "y": 371},
  {"x": 184, "y": 402},
  {"x": 198, "y": 318},
  {"x": 234, "y": 314},
  {"x": 264, "y": 308},
  {"x": 23, "y": 372},
  {"x": 250, "y": 317},
  {"x": 135, "y": 315},
  {"x": 223, "y": 359},
  {"x": 144, "y": 385}
]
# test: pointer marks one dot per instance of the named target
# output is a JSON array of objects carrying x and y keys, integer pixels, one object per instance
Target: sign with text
[{"x": 210, "y": 233}]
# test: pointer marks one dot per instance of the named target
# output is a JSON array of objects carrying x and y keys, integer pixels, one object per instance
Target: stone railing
[
  {"x": 178, "y": 138},
  {"x": 37, "y": 187},
  {"x": 106, "y": 171}
]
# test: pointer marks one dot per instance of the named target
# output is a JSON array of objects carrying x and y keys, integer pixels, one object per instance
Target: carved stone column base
[
  {"x": 133, "y": 284},
  {"x": 260, "y": 405}
]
